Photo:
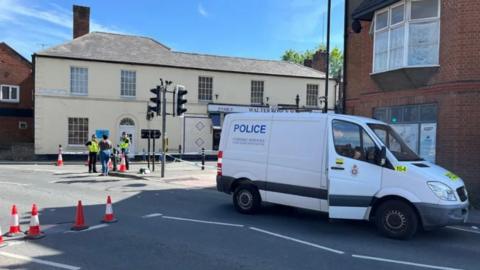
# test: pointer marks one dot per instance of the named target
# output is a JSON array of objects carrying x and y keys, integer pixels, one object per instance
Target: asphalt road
[{"x": 173, "y": 226}]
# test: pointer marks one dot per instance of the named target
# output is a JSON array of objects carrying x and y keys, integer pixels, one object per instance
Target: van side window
[{"x": 353, "y": 142}]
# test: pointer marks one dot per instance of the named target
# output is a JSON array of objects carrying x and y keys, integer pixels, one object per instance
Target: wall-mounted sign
[
  {"x": 100, "y": 132},
  {"x": 428, "y": 136},
  {"x": 242, "y": 109}
]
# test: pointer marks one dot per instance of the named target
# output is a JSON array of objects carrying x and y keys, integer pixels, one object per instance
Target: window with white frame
[
  {"x": 312, "y": 95},
  {"x": 205, "y": 87},
  {"x": 256, "y": 94},
  {"x": 406, "y": 34},
  {"x": 9, "y": 93},
  {"x": 79, "y": 80},
  {"x": 128, "y": 83},
  {"x": 77, "y": 130}
]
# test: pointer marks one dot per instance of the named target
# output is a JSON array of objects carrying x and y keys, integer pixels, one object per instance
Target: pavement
[{"x": 182, "y": 222}]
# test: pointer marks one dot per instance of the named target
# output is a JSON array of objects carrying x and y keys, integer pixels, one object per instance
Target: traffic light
[
  {"x": 150, "y": 115},
  {"x": 181, "y": 100},
  {"x": 157, "y": 101}
]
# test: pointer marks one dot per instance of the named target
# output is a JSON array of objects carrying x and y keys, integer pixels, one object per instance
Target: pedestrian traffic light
[
  {"x": 156, "y": 100},
  {"x": 181, "y": 100}
]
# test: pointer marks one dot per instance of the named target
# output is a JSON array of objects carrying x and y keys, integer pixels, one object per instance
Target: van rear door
[{"x": 353, "y": 176}]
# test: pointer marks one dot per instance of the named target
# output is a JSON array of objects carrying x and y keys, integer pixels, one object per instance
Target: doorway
[{"x": 127, "y": 125}]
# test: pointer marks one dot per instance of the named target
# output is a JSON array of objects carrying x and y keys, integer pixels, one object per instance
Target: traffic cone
[
  {"x": 14, "y": 224},
  {"x": 123, "y": 167},
  {"x": 34, "y": 229},
  {"x": 2, "y": 243},
  {"x": 110, "y": 165},
  {"x": 109, "y": 216},
  {"x": 79, "y": 219},
  {"x": 59, "y": 159}
]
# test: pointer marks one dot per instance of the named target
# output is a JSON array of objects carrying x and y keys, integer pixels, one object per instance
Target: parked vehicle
[{"x": 348, "y": 166}]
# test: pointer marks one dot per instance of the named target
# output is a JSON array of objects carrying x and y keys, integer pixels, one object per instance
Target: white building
[{"x": 100, "y": 82}]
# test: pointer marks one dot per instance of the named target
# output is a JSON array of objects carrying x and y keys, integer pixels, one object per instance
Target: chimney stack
[
  {"x": 81, "y": 21},
  {"x": 319, "y": 61}
]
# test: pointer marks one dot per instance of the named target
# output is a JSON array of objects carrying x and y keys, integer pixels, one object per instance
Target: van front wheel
[
  {"x": 396, "y": 219},
  {"x": 246, "y": 199}
]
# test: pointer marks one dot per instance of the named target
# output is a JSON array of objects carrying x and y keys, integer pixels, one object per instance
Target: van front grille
[{"x": 462, "y": 194}]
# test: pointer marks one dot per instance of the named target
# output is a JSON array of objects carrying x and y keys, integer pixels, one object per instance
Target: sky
[{"x": 261, "y": 29}]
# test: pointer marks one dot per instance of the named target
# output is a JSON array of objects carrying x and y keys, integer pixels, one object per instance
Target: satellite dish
[{"x": 356, "y": 26}]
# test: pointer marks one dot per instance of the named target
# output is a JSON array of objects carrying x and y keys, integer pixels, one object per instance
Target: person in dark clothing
[
  {"x": 105, "y": 151},
  {"x": 124, "y": 147},
  {"x": 93, "y": 149}
]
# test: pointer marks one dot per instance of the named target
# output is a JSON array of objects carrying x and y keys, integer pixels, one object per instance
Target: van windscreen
[{"x": 394, "y": 143}]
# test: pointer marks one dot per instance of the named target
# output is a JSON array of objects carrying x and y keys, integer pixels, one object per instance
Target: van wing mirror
[{"x": 381, "y": 158}]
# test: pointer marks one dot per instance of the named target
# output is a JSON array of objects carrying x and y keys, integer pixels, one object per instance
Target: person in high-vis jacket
[
  {"x": 124, "y": 148},
  {"x": 93, "y": 149}
]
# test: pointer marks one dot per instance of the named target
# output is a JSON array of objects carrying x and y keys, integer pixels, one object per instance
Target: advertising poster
[
  {"x": 428, "y": 135},
  {"x": 409, "y": 133}
]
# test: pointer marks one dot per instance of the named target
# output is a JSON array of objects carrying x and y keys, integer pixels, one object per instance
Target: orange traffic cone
[
  {"x": 79, "y": 219},
  {"x": 34, "y": 229},
  {"x": 14, "y": 224},
  {"x": 60, "y": 158},
  {"x": 123, "y": 167},
  {"x": 110, "y": 165},
  {"x": 109, "y": 216},
  {"x": 2, "y": 243}
]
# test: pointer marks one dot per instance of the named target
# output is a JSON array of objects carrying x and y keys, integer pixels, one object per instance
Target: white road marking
[
  {"x": 13, "y": 183},
  {"x": 14, "y": 242},
  {"x": 404, "y": 262},
  {"x": 30, "y": 259},
  {"x": 204, "y": 221},
  {"x": 298, "y": 241},
  {"x": 99, "y": 226},
  {"x": 462, "y": 229},
  {"x": 152, "y": 215}
]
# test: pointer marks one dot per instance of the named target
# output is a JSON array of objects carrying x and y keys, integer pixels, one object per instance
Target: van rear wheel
[
  {"x": 396, "y": 219},
  {"x": 246, "y": 199}
]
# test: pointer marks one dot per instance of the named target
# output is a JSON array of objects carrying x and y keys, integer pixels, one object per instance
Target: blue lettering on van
[{"x": 242, "y": 128}]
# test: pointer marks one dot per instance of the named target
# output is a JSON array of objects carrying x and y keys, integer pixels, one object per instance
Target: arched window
[{"x": 127, "y": 122}]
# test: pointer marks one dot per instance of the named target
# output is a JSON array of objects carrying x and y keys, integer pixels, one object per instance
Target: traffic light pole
[
  {"x": 148, "y": 153},
  {"x": 153, "y": 150},
  {"x": 164, "y": 126}
]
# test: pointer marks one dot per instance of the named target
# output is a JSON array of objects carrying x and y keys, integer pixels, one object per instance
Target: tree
[
  {"x": 293, "y": 56},
  {"x": 336, "y": 62},
  {"x": 336, "y": 58}
]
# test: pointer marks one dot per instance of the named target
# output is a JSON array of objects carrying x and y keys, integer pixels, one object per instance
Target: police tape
[{"x": 198, "y": 164}]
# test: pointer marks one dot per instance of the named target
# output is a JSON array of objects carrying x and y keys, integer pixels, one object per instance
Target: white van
[{"x": 351, "y": 167}]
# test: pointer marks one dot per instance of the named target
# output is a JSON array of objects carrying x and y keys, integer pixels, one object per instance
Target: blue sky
[{"x": 247, "y": 28}]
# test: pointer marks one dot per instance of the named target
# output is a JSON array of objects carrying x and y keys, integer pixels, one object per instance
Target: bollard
[
  {"x": 180, "y": 152},
  {"x": 203, "y": 159}
]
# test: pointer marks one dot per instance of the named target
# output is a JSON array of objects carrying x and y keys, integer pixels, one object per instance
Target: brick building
[
  {"x": 415, "y": 64},
  {"x": 16, "y": 103}
]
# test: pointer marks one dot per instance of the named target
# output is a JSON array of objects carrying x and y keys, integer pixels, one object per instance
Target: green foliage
[{"x": 336, "y": 58}]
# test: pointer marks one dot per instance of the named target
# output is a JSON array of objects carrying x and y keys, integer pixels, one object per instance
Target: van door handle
[{"x": 337, "y": 168}]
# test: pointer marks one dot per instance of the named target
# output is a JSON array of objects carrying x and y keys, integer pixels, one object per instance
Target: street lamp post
[{"x": 327, "y": 69}]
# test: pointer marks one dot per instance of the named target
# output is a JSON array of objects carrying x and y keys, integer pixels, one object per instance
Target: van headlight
[{"x": 442, "y": 191}]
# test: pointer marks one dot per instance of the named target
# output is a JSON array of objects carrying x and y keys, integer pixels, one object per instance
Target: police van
[{"x": 348, "y": 166}]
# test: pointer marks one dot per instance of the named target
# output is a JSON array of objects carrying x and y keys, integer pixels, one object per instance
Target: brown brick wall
[
  {"x": 455, "y": 88},
  {"x": 14, "y": 70}
]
